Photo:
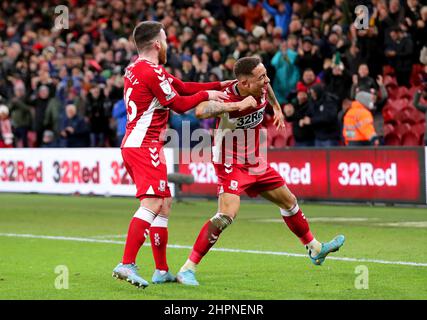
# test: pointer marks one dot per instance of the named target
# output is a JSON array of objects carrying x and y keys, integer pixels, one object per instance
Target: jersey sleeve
[
  {"x": 188, "y": 88},
  {"x": 156, "y": 79}
]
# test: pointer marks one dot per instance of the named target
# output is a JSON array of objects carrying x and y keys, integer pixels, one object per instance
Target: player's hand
[
  {"x": 248, "y": 103},
  {"x": 279, "y": 119},
  {"x": 227, "y": 122},
  {"x": 226, "y": 83},
  {"x": 217, "y": 95}
]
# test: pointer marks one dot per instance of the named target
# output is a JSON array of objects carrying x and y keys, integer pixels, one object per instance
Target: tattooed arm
[{"x": 212, "y": 109}]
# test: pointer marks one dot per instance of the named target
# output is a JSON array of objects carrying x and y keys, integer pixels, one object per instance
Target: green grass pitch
[{"x": 379, "y": 237}]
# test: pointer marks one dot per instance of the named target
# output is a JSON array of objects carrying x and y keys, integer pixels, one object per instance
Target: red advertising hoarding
[
  {"x": 349, "y": 174},
  {"x": 375, "y": 175}
]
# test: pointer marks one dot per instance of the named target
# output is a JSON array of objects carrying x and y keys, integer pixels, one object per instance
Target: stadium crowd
[{"x": 64, "y": 87}]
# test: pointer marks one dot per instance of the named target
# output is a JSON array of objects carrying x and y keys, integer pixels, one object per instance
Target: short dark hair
[
  {"x": 245, "y": 66},
  {"x": 145, "y": 32}
]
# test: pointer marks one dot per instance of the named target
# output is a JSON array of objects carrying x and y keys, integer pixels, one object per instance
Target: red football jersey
[
  {"x": 241, "y": 144},
  {"x": 147, "y": 92}
]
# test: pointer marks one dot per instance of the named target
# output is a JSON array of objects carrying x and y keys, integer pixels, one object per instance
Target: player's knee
[
  {"x": 221, "y": 220},
  {"x": 291, "y": 208},
  {"x": 291, "y": 201},
  {"x": 288, "y": 200}
]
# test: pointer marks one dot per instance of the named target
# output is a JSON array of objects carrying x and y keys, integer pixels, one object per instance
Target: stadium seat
[
  {"x": 403, "y": 93},
  {"x": 388, "y": 128},
  {"x": 407, "y": 115},
  {"x": 388, "y": 71},
  {"x": 392, "y": 139},
  {"x": 392, "y": 91},
  {"x": 402, "y": 128},
  {"x": 290, "y": 142},
  {"x": 390, "y": 111},
  {"x": 410, "y": 138},
  {"x": 415, "y": 79},
  {"x": 271, "y": 135},
  {"x": 279, "y": 141},
  {"x": 420, "y": 130},
  {"x": 419, "y": 116}
]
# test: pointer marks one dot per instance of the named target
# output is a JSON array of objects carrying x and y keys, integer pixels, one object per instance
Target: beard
[{"x": 162, "y": 55}]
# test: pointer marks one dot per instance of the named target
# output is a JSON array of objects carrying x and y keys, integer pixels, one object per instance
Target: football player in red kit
[
  {"x": 237, "y": 172},
  {"x": 150, "y": 92}
]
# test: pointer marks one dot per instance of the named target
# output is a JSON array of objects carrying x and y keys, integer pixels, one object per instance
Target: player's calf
[{"x": 208, "y": 236}]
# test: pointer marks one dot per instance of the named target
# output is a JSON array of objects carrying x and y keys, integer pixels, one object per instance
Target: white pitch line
[
  {"x": 109, "y": 236},
  {"x": 177, "y": 246}
]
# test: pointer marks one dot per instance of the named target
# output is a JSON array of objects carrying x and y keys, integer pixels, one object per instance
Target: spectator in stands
[
  {"x": 52, "y": 117},
  {"x": 95, "y": 49},
  {"x": 188, "y": 73},
  {"x": 309, "y": 56},
  {"x": 184, "y": 124},
  {"x": 308, "y": 80},
  {"x": 40, "y": 104},
  {"x": 295, "y": 112},
  {"x": 74, "y": 130},
  {"x": 352, "y": 58},
  {"x": 282, "y": 15},
  {"x": 6, "y": 135},
  {"x": 358, "y": 122},
  {"x": 21, "y": 117},
  {"x": 96, "y": 114},
  {"x": 337, "y": 79},
  {"x": 227, "y": 70},
  {"x": 49, "y": 140},
  {"x": 362, "y": 81},
  {"x": 322, "y": 115},
  {"x": 120, "y": 115},
  {"x": 252, "y": 15},
  {"x": 287, "y": 73},
  {"x": 399, "y": 52}
]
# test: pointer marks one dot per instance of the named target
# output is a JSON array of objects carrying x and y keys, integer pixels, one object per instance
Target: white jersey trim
[{"x": 136, "y": 137}]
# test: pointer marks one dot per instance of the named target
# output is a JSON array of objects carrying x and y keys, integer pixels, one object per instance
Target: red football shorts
[
  {"x": 235, "y": 179},
  {"x": 147, "y": 168}
]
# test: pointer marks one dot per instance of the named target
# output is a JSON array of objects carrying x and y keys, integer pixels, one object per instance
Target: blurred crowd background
[{"x": 64, "y": 87}]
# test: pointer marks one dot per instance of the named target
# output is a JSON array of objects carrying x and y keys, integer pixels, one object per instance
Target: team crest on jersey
[
  {"x": 162, "y": 186},
  {"x": 233, "y": 185}
]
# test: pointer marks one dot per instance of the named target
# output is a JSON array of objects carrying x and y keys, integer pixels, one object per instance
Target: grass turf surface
[{"x": 27, "y": 264}]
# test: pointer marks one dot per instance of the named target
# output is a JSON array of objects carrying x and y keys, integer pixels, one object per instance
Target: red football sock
[
  {"x": 159, "y": 241},
  {"x": 297, "y": 223},
  {"x": 138, "y": 231},
  {"x": 206, "y": 239}
]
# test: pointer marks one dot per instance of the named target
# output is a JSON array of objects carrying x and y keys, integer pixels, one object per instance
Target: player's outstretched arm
[
  {"x": 212, "y": 109},
  {"x": 279, "y": 118},
  {"x": 190, "y": 88}
]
